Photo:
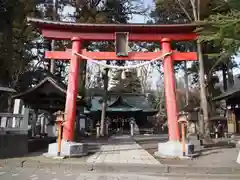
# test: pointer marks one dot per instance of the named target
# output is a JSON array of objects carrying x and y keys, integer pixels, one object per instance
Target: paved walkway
[
  {"x": 122, "y": 150},
  {"x": 219, "y": 156},
  {"x": 66, "y": 174}
]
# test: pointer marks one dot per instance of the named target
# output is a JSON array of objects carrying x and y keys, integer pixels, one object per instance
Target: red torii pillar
[
  {"x": 170, "y": 91},
  {"x": 72, "y": 91}
]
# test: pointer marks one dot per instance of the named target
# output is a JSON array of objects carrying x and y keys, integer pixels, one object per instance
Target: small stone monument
[
  {"x": 107, "y": 125},
  {"x": 238, "y": 148},
  {"x": 132, "y": 123},
  {"x": 98, "y": 129},
  {"x": 136, "y": 128}
]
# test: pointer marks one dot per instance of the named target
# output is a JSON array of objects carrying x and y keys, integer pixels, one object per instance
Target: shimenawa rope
[{"x": 123, "y": 67}]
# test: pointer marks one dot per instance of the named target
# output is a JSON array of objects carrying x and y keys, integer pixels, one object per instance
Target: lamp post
[
  {"x": 182, "y": 120},
  {"x": 59, "y": 120}
]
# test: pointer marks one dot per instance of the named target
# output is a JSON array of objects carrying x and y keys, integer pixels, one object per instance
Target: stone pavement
[
  {"x": 63, "y": 174},
  {"x": 219, "y": 156},
  {"x": 124, "y": 155},
  {"x": 122, "y": 150}
]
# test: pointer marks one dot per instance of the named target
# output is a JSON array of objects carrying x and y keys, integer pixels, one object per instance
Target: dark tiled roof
[
  {"x": 111, "y": 28},
  {"x": 7, "y": 89},
  {"x": 58, "y": 85},
  {"x": 231, "y": 92},
  {"x": 48, "y": 88}
]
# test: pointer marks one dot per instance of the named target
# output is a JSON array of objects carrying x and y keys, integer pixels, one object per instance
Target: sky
[{"x": 142, "y": 19}]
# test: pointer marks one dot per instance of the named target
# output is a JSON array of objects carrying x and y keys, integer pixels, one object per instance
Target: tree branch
[
  {"x": 184, "y": 10},
  {"x": 194, "y": 8},
  {"x": 198, "y": 9}
]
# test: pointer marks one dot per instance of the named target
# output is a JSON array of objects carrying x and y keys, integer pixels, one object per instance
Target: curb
[{"x": 121, "y": 168}]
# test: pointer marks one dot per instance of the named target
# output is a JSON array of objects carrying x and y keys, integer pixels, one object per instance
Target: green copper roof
[
  {"x": 123, "y": 103},
  {"x": 123, "y": 109}
]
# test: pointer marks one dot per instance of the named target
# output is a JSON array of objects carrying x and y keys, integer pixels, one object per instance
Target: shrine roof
[
  {"x": 7, "y": 89},
  {"x": 232, "y": 92},
  {"x": 47, "y": 94},
  {"x": 123, "y": 103},
  {"x": 4, "y": 89},
  {"x": 48, "y": 80},
  {"x": 112, "y": 28}
]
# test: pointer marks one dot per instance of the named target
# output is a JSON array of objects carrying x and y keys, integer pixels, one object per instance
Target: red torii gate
[{"x": 79, "y": 33}]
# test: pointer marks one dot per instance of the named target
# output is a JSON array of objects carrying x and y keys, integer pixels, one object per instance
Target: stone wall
[{"x": 13, "y": 145}]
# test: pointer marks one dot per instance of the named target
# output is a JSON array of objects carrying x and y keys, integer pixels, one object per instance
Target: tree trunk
[
  {"x": 230, "y": 74},
  {"x": 204, "y": 129},
  {"x": 54, "y": 17},
  {"x": 81, "y": 92},
  {"x": 82, "y": 77},
  {"x": 104, "y": 103},
  {"x": 186, "y": 83},
  {"x": 224, "y": 74},
  {"x": 103, "y": 115},
  {"x": 9, "y": 103}
]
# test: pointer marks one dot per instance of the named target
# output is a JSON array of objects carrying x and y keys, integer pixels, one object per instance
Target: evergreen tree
[
  {"x": 16, "y": 42},
  {"x": 187, "y": 11}
]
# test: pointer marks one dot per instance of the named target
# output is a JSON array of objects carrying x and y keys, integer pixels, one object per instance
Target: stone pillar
[
  {"x": 17, "y": 109},
  {"x": 33, "y": 123},
  {"x": 3, "y": 122},
  {"x": 82, "y": 122},
  {"x": 231, "y": 120},
  {"x": 98, "y": 130},
  {"x": 43, "y": 124},
  {"x": 238, "y": 148},
  {"x": 132, "y": 122},
  {"x": 107, "y": 126},
  {"x": 25, "y": 119}
]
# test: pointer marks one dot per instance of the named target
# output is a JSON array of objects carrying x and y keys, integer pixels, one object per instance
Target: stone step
[
  {"x": 198, "y": 148},
  {"x": 195, "y": 142},
  {"x": 70, "y": 149},
  {"x": 193, "y": 137}
]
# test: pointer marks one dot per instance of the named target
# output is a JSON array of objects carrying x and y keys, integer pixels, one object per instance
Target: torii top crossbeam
[
  {"x": 105, "y": 32},
  {"x": 80, "y": 33}
]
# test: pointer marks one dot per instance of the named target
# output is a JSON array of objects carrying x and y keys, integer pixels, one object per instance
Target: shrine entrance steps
[{"x": 122, "y": 150}]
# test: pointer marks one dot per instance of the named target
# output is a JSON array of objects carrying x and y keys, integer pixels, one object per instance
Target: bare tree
[
  {"x": 104, "y": 103},
  {"x": 93, "y": 77},
  {"x": 144, "y": 74},
  {"x": 195, "y": 17}
]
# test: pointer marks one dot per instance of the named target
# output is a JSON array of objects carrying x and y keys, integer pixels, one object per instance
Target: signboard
[{"x": 82, "y": 123}]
